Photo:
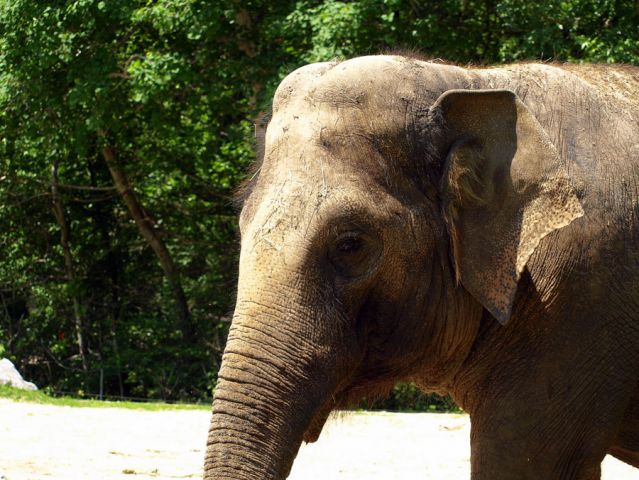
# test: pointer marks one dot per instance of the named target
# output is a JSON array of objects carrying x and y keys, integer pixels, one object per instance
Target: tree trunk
[
  {"x": 147, "y": 230},
  {"x": 58, "y": 212},
  {"x": 114, "y": 268}
]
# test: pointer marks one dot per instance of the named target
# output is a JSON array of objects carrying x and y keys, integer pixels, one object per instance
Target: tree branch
[{"x": 148, "y": 231}]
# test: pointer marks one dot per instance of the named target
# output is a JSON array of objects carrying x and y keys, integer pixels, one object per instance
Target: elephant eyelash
[{"x": 349, "y": 243}]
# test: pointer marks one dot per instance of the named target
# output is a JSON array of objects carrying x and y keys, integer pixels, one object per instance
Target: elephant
[{"x": 471, "y": 230}]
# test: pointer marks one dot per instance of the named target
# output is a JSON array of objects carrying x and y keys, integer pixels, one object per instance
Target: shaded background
[{"x": 125, "y": 125}]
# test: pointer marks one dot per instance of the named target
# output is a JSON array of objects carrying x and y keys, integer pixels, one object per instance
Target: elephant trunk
[{"x": 266, "y": 397}]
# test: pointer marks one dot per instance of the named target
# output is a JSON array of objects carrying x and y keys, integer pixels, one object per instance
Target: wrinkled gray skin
[{"x": 471, "y": 230}]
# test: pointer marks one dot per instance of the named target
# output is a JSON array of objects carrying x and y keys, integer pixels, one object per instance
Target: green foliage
[
  {"x": 171, "y": 86},
  {"x": 138, "y": 72},
  {"x": 407, "y": 397}
]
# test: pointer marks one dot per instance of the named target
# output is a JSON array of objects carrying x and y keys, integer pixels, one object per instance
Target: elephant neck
[
  {"x": 455, "y": 325},
  {"x": 495, "y": 356}
]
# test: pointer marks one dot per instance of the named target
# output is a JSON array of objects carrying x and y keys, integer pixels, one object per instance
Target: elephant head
[{"x": 395, "y": 203}]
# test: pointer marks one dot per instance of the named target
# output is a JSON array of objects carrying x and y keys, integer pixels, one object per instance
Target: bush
[{"x": 407, "y": 397}]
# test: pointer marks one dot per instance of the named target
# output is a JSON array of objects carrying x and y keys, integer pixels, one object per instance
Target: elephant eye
[
  {"x": 351, "y": 243},
  {"x": 353, "y": 254}
]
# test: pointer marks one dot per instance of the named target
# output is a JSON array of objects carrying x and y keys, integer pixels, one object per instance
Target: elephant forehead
[
  {"x": 338, "y": 123},
  {"x": 328, "y": 144},
  {"x": 342, "y": 100},
  {"x": 330, "y": 133},
  {"x": 352, "y": 82},
  {"x": 299, "y": 208},
  {"x": 297, "y": 199},
  {"x": 349, "y": 106},
  {"x": 381, "y": 81}
]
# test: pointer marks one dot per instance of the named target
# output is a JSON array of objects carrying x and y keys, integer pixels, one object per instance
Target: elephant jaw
[
  {"x": 318, "y": 421},
  {"x": 340, "y": 398},
  {"x": 347, "y": 395}
]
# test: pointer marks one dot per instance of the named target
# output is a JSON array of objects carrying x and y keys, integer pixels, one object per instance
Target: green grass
[{"x": 41, "y": 397}]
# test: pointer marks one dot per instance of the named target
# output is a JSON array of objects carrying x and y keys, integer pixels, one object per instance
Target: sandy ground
[{"x": 48, "y": 442}]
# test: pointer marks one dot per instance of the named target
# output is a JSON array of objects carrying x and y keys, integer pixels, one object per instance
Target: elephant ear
[{"x": 504, "y": 188}]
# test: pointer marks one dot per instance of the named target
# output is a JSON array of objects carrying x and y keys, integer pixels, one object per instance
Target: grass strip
[{"x": 38, "y": 396}]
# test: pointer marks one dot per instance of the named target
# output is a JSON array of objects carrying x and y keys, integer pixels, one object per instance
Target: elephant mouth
[
  {"x": 318, "y": 421},
  {"x": 340, "y": 399},
  {"x": 346, "y": 398}
]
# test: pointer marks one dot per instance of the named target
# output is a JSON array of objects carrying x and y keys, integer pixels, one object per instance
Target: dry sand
[{"x": 50, "y": 442}]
